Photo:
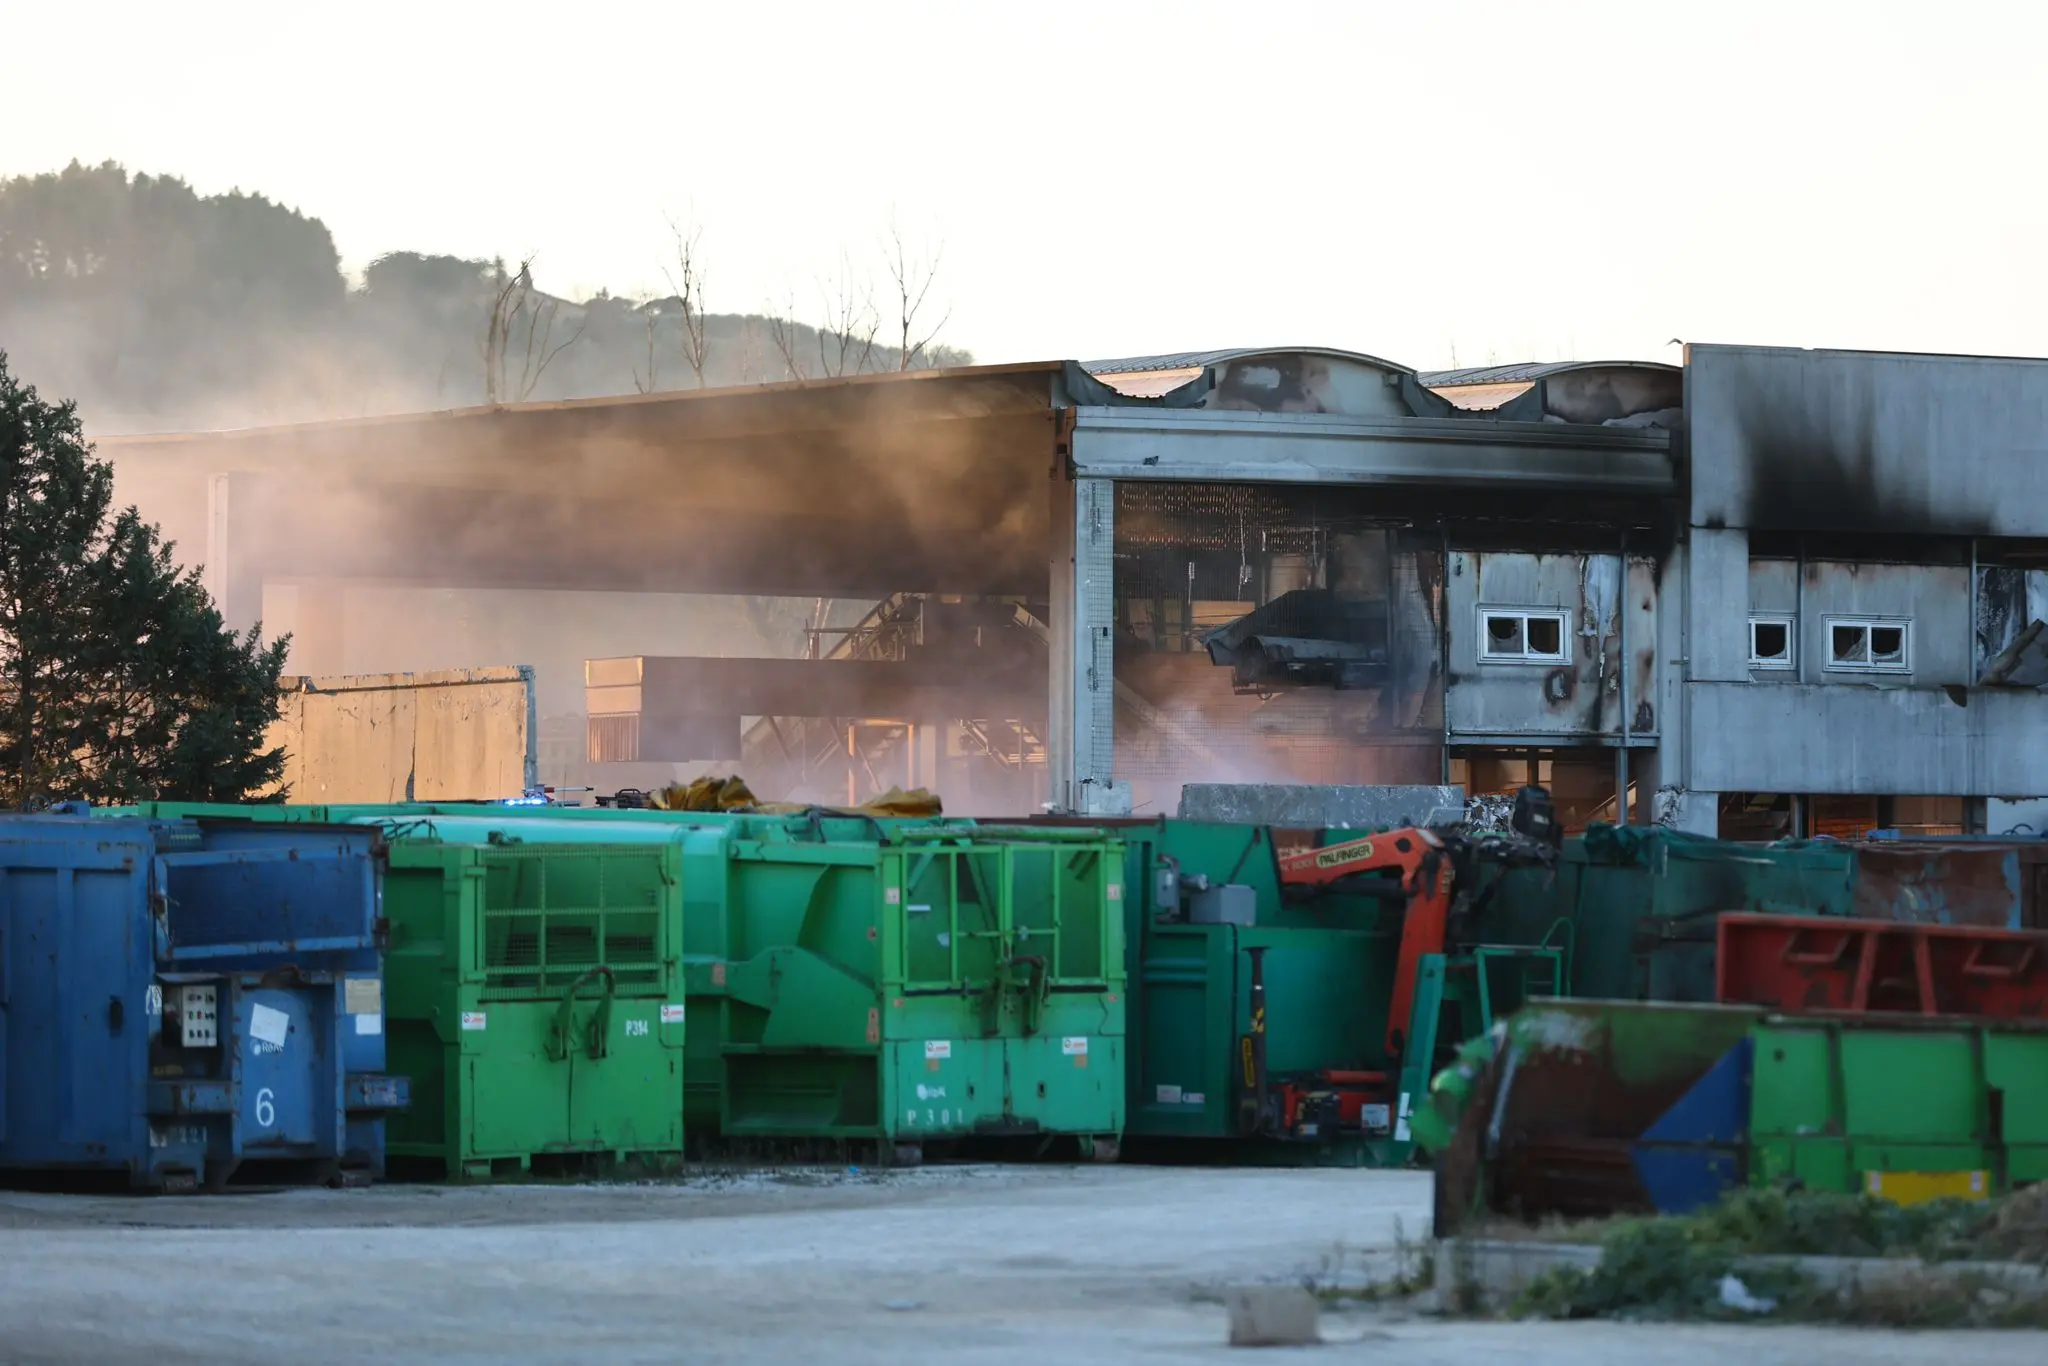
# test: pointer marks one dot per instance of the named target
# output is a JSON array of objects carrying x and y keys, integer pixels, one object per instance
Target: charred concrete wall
[
  {"x": 1785, "y": 439},
  {"x": 1933, "y": 600},
  {"x": 1821, "y": 738},
  {"x": 1832, "y": 492},
  {"x": 1573, "y": 692}
]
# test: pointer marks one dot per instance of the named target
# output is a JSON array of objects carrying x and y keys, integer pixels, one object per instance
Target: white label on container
[
  {"x": 268, "y": 1026},
  {"x": 369, "y": 1024},
  {"x": 935, "y": 1049},
  {"x": 362, "y": 995},
  {"x": 472, "y": 1019},
  {"x": 1169, "y": 1095},
  {"x": 671, "y": 1014},
  {"x": 1194, "y": 1098},
  {"x": 1401, "y": 1126},
  {"x": 1373, "y": 1116},
  {"x": 153, "y": 1001},
  {"x": 1074, "y": 1046},
  {"x": 892, "y": 896},
  {"x": 1116, "y": 891}
]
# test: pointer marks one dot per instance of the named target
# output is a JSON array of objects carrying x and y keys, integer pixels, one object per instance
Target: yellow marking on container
[{"x": 1920, "y": 1188}]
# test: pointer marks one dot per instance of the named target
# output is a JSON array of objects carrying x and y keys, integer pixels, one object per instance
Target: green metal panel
[
  {"x": 1833, "y": 1100},
  {"x": 883, "y": 986},
  {"x": 1325, "y": 965},
  {"x": 535, "y": 992}
]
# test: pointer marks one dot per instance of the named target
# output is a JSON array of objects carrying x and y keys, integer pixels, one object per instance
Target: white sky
[{"x": 1427, "y": 181}]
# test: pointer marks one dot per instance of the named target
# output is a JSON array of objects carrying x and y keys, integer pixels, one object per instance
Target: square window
[
  {"x": 1770, "y": 642},
  {"x": 1870, "y": 645},
  {"x": 1520, "y": 635}
]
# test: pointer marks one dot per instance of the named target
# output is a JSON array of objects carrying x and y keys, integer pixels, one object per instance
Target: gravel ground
[{"x": 969, "y": 1265}]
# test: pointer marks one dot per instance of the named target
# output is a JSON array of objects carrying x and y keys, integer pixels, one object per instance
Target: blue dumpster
[
  {"x": 188, "y": 1004},
  {"x": 293, "y": 898}
]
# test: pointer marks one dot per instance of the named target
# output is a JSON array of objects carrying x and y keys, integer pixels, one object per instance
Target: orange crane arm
[{"x": 1425, "y": 883}]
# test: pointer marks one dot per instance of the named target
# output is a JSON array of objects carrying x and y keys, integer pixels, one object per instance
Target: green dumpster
[
  {"x": 904, "y": 983},
  {"x": 534, "y": 996}
]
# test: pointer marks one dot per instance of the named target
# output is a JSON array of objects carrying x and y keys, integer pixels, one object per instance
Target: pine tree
[{"x": 119, "y": 681}]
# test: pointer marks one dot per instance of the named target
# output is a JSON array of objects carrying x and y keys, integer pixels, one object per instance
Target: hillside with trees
[{"x": 159, "y": 308}]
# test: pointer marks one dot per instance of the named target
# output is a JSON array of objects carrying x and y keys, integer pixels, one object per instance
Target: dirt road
[{"x": 965, "y": 1266}]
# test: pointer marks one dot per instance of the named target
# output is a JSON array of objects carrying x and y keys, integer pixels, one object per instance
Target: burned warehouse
[{"x": 1763, "y": 592}]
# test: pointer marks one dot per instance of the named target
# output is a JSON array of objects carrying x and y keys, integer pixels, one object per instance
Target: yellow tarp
[{"x": 732, "y": 794}]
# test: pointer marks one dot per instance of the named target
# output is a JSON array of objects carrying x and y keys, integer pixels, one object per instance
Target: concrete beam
[
  {"x": 1200, "y": 444},
  {"x": 263, "y": 529},
  {"x": 872, "y": 689}
]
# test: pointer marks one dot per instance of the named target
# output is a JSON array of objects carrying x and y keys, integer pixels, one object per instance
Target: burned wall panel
[
  {"x": 1867, "y": 442},
  {"x": 1859, "y": 741},
  {"x": 1562, "y": 676}
]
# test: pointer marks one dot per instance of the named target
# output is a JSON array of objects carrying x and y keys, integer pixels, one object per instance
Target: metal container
[
  {"x": 895, "y": 982},
  {"x": 535, "y": 998},
  {"x": 1642, "y": 903},
  {"x": 1838, "y": 964},
  {"x": 1853, "y": 1105},
  {"x": 1588, "y": 1108},
  {"x": 2000, "y": 883},
  {"x": 186, "y": 1006}
]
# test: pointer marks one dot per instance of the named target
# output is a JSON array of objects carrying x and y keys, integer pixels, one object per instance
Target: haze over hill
[{"x": 158, "y": 308}]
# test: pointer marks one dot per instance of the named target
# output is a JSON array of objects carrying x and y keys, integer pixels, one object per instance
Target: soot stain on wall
[{"x": 1815, "y": 471}]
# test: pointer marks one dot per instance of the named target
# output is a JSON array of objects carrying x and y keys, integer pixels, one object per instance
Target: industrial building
[{"x": 1766, "y": 591}]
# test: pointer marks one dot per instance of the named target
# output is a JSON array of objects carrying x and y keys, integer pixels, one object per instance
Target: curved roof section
[
  {"x": 1528, "y": 372},
  {"x": 1201, "y": 360}
]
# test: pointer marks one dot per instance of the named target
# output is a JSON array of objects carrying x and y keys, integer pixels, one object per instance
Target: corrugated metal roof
[{"x": 1527, "y": 372}]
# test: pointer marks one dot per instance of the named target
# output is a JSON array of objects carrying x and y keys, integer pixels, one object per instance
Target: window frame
[
  {"x": 1904, "y": 625},
  {"x": 1791, "y": 624},
  {"x": 1561, "y": 615}
]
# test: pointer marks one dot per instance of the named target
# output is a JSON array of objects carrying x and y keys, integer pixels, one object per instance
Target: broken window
[
  {"x": 1869, "y": 645},
  {"x": 1523, "y": 636},
  {"x": 1770, "y": 642}
]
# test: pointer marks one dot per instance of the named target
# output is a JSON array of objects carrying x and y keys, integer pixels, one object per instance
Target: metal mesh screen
[
  {"x": 550, "y": 916},
  {"x": 1324, "y": 570}
]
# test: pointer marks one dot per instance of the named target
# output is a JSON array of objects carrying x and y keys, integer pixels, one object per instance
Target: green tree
[{"x": 119, "y": 681}]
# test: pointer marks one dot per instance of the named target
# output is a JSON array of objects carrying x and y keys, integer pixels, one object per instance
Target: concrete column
[
  {"x": 1696, "y": 813},
  {"x": 1083, "y": 682},
  {"x": 1059, "y": 648},
  {"x": 235, "y": 586}
]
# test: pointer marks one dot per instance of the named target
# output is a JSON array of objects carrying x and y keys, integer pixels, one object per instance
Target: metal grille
[
  {"x": 550, "y": 916},
  {"x": 1191, "y": 559}
]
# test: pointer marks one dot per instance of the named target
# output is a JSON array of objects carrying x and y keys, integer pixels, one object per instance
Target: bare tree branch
[
  {"x": 782, "y": 332},
  {"x": 913, "y": 275},
  {"x": 689, "y": 292},
  {"x": 513, "y": 312},
  {"x": 851, "y": 323},
  {"x": 651, "y": 314}
]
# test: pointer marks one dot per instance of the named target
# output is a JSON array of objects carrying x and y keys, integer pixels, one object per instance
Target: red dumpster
[{"x": 1797, "y": 963}]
